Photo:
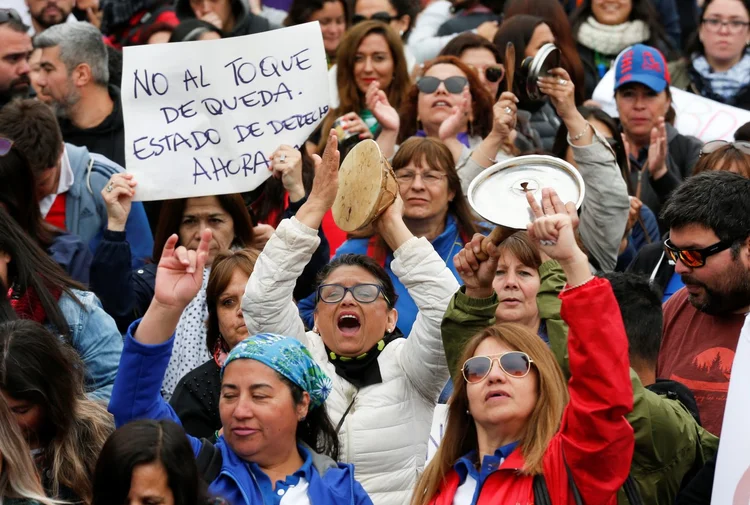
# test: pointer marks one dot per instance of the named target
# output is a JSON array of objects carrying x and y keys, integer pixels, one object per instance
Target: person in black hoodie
[
  {"x": 233, "y": 17},
  {"x": 88, "y": 107}
]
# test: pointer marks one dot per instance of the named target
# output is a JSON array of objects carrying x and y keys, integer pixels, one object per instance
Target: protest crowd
[{"x": 240, "y": 347}]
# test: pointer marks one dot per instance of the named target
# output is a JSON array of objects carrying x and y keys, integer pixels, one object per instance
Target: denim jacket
[{"x": 95, "y": 337}]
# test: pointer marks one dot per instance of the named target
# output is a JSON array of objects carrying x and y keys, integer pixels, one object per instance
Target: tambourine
[
  {"x": 498, "y": 194},
  {"x": 547, "y": 58},
  {"x": 367, "y": 187}
]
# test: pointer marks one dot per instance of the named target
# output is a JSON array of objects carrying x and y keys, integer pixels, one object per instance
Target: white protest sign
[
  {"x": 439, "y": 420},
  {"x": 732, "y": 477},
  {"x": 696, "y": 115},
  {"x": 202, "y": 118}
]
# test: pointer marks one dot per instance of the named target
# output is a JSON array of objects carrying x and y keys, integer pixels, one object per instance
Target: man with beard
[
  {"x": 74, "y": 73},
  {"x": 46, "y": 13},
  {"x": 709, "y": 226},
  {"x": 15, "y": 48}
]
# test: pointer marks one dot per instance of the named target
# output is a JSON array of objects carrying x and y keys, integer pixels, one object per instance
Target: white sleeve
[{"x": 268, "y": 303}]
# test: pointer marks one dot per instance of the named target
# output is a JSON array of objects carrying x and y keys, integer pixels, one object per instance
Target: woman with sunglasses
[
  {"x": 384, "y": 386},
  {"x": 482, "y": 56},
  {"x": 657, "y": 260},
  {"x": 718, "y": 61},
  {"x": 512, "y": 422},
  {"x": 669, "y": 444}
]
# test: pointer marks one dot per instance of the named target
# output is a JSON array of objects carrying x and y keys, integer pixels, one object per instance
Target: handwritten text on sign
[{"x": 202, "y": 118}]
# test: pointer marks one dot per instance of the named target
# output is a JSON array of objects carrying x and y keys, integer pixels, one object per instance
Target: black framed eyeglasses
[
  {"x": 454, "y": 85},
  {"x": 5, "y": 146},
  {"x": 695, "y": 258},
  {"x": 734, "y": 25},
  {"x": 381, "y": 16},
  {"x": 10, "y": 15},
  {"x": 363, "y": 293},
  {"x": 715, "y": 145}
]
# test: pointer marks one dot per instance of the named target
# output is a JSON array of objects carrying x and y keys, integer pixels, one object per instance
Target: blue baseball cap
[{"x": 642, "y": 64}]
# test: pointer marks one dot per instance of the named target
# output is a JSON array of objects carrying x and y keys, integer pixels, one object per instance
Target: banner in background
[
  {"x": 696, "y": 116},
  {"x": 202, "y": 118}
]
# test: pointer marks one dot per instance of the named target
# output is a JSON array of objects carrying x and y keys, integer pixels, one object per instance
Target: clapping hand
[
  {"x": 657, "y": 150},
  {"x": 460, "y": 116},
  {"x": 377, "y": 102}
]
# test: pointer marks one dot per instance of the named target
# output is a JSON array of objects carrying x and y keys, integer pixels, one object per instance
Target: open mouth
[
  {"x": 441, "y": 103},
  {"x": 349, "y": 324}
]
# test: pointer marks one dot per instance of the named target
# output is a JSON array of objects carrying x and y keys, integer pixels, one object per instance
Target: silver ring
[
  {"x": 562, "y": 82},
  {"x": 282, "y": 158},
  {"x": 547, "y": 242},
  {"x": 508, "y": 111},
  {"x": 110, "y": 188}
]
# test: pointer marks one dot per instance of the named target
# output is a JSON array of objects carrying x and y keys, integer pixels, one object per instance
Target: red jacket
[{"x": 594, "y": 436}]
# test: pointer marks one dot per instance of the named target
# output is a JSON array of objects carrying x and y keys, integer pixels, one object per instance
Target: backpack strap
[{"x": 209, "y": 461}]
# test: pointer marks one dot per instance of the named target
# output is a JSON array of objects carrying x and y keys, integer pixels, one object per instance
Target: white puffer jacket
[{"x": 386, "y": 431}]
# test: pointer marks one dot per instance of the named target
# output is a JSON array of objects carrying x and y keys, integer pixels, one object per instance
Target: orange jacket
[{"x": 595, "y": 438}]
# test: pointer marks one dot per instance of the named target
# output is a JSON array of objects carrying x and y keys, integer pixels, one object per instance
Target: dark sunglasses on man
[
  {"x": 454, "y": 85},
  {"x": 378, "y": 16},
  {"x": 695, "y": 258}
]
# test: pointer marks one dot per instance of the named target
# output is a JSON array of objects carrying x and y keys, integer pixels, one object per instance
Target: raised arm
[
  {"x": 268, "y": 304},
  {"x": 148, "y": 343},
  {"x": 595, "y": 437},
  {"x": 431, "y": 285}
]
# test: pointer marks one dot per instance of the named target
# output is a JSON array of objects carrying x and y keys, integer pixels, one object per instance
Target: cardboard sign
[
  {"x": 732, "y": 478},
  {"x": 696, "y": 115},
  {"x": 202, "y": 118}
]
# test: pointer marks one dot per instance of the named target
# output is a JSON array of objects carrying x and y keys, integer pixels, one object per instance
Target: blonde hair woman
[
  {"x": 19, "y": 482},
  {"x": 513, "y": 425}
]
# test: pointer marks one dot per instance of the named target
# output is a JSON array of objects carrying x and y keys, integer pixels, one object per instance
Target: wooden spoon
[{"x": 510, "y": 65}]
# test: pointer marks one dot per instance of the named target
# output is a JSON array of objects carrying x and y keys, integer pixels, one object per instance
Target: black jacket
[
  {"x": 245, "y": 22},
  {"x": 196, "y": 400},
  {"x": 107, "y": 139}
]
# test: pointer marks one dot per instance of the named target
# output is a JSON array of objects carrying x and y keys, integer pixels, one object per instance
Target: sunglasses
[
  {"x": 715, "y": 145},
  {"x": 695, "y": 258},
  {"x": 9, "y": 15},
  {"x": 514, "y": 364},
  {"x": 363, "y": 293},
  {"x": 492, "y": 73},
  {"x": 378, "y": 16},
  {"x": 454, "y": 85},
  {"x": 5, "y": 145}
]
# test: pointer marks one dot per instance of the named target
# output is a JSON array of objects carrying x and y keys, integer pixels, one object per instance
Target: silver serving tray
[{"x": 498, "y": 194}]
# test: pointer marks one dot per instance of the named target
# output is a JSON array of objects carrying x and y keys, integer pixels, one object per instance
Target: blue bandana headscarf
[{"x": 289, "y": 358}]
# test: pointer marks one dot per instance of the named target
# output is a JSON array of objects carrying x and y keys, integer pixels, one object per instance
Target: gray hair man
[{"x": 74, "y": 73}]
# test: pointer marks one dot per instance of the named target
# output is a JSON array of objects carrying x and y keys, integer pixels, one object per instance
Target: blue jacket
[
  {"x": 86, "y": 212},
  {"x": 95, "y": 337},
  {"x": 136, "y": 395},
  {"x": 447, "y": 245}
]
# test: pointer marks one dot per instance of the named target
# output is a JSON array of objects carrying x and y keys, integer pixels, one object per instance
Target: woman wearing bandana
[{"x": 278, "y": 445}]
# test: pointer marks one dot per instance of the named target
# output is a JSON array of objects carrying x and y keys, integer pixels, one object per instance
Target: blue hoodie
[
  {"x": 86, "y": 212},
  {"x": 137, "y": 395}
]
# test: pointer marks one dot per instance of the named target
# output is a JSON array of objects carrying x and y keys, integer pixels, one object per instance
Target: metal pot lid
[
  {"x": 498, "y": 194},
  {"x": 547, "y": 58}
]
